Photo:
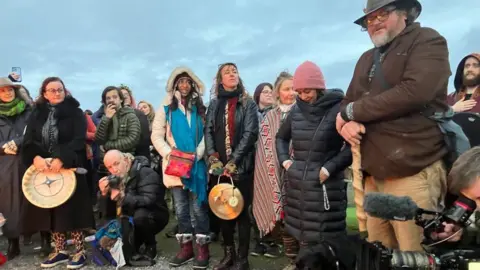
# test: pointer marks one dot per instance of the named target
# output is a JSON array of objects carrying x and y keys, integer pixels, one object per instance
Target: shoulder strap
[{"x": 377, "y": 61}]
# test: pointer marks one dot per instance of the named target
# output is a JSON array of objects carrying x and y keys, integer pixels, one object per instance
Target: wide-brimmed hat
[
  {"x": 7, "y": 82},
  {"x": 374, "y": 5}
]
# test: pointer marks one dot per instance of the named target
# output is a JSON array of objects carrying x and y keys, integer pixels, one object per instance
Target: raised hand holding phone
[{"x": 16, "y": 74}]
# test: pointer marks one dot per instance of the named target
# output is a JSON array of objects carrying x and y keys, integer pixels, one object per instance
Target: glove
[
  {"x": 231, "y": 167},
  {"x": 216, "y": 166}
]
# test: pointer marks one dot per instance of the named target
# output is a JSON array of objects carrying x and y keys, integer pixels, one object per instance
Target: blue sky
[{"x": 92, "y": 44}]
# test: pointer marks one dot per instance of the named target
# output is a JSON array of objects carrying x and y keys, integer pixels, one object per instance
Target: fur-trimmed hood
[
  {"x": 200, "y": 87},
  {"x": 168, "y": 99}
]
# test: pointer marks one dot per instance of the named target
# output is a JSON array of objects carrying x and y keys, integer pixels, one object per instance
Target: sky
[{"x": 92, "y": 44}]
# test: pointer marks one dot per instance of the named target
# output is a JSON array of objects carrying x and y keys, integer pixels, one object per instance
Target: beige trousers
[{"x": 427, "y": 189}]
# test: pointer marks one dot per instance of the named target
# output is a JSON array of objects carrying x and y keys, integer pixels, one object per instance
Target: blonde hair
[
  {"x": 282, "y": 77},
  {"x": 151, "y": 114}
]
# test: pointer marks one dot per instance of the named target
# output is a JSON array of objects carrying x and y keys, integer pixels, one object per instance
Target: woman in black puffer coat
[{"x": 316, "y": 199}]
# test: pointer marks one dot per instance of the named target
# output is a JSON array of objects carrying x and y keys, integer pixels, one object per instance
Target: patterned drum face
[
  {"x": 226, "y": 201},
  {"x": 47, "y": 189}
]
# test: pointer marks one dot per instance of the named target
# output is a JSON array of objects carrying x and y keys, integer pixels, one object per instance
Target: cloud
[{"x": 93, "y": 44}]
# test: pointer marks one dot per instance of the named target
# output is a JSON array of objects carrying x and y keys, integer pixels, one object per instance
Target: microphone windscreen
[{"x": 389, "y": 207}]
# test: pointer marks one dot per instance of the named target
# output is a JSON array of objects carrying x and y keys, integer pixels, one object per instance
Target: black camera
[
  {"x": 440, "y": 256},
  {"x": 113, "y": 181}
]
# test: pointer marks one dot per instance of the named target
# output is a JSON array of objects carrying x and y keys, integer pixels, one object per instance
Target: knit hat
[
  {"x": 308, "y": 75},
  {"x": 259, "y": 89}
]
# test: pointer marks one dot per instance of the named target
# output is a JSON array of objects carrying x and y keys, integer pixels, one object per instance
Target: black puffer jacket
[
  {"x": 310, "y": 215},
  {"x": 246, "y": 133},
  {"x": 144, "y": 189}
]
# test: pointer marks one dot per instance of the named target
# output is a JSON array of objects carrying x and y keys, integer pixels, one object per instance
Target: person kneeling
[{"x": 139, "y": 194}]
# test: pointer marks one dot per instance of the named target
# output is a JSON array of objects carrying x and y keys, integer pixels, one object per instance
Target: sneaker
[
  {"x": 78, "y": 261},
  {"x": 259, "y": 250},
  {"x": 272, "y": 251},
  {"x": 55, "y": 259},
  {"x": 150, "y": 252}
]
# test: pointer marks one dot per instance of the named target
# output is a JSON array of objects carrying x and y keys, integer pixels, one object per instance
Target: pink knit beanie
[{"x": 308, "y": 75}]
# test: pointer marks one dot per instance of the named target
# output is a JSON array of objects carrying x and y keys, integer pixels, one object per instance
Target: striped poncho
[{"x": 268, "y": 195}]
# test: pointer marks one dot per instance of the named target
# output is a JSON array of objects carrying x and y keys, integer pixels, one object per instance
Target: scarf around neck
[
  {"x": 50, "y": 130},
  {"x": 225, "y": 122},
  {"x": 12, "y": 108}
]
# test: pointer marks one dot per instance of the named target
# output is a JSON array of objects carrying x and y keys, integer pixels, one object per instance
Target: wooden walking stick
[{"x": 359, "y": 193}]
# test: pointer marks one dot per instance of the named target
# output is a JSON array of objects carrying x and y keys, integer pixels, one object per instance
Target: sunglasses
[{"x": 380, "y": 15}]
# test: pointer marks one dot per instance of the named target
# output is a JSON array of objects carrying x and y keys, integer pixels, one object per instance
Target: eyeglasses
[
  {"x": 53, "y": 91},
  {"x": 381, "y": 15}
]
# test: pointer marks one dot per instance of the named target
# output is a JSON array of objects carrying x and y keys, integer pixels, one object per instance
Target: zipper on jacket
[{"x": 306, "y": 167}]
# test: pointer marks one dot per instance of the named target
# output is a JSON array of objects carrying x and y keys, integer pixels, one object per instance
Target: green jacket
[{"x": 121, "y": 132}]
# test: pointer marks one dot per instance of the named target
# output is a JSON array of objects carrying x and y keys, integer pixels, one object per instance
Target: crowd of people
[{"x": 286, "y": 149}]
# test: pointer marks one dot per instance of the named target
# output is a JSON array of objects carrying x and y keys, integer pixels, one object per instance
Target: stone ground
[{"x": 167, "y": 248}]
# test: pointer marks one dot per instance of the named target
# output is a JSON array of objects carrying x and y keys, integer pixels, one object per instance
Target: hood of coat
[
  {"x": 198, "y": 84},
  {"x": 458, "y": 81}
]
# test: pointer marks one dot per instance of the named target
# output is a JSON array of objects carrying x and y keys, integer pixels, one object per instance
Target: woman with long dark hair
[
  {"x": 57, "y": 130},
  {"x": 230, "y": 136},
  {"x": 178, "y": 124}
]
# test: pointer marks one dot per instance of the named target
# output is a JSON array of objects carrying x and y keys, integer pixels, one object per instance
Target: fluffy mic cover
[{"x": 389, "y": 207}]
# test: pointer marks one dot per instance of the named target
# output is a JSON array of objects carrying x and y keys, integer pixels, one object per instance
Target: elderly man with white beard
[{"x": 395, "y": 87}]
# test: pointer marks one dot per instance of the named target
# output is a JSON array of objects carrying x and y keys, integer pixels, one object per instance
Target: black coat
[
  {"x": 144, "y": 190},
  {"x": 316, "y": 144},
  {"x": 246, "y": 133},
  {"x": 143, "y": 147},
  {"x": 77, "y": 212},
  {"x": 12, "y": 201}
]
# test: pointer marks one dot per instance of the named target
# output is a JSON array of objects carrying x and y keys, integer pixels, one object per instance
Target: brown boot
[
  {"x": 228, "y": 259},
  {"x": 13, "y": 248}
]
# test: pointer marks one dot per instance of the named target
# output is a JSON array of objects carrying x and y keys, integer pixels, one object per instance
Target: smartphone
[{"x": 18, "y": 70}]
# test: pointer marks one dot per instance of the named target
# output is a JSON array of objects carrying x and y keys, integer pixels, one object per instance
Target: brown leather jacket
[{"x": 400, "y": 141}]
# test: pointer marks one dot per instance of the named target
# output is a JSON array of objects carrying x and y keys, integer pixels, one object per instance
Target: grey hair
[
  {"x": 411, "y": 12},
  {"x": 465, "y": 171}
]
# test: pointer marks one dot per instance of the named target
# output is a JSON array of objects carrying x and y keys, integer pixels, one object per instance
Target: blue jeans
[{"x": 185, "y": 202}]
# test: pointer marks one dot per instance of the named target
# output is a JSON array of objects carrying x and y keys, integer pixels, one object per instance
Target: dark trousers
[
  {"x": 147, "y": 225},
  {"x": 214, "y": 220},
  {"x": 245, "y": 185}
]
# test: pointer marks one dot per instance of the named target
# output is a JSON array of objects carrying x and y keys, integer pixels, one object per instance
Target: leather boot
[
  {"x": 13, "y": 248},
  {"x": 228, "y": 259},
  {"x": 185, "y": 254},
  {"x": 203, "y": 253},
  {"x": 46, "y": 244}
]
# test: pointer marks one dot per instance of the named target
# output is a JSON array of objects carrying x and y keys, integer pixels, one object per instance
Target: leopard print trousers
[{"x": 60, "y": 240}]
